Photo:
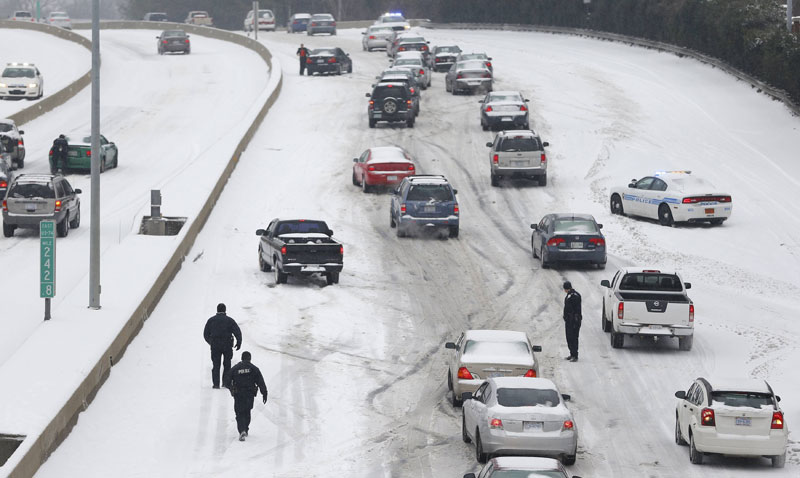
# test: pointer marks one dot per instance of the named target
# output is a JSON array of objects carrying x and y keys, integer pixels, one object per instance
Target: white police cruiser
[
  {"x": 670, "y": 197},
  {"x": 21, "y": 80}
]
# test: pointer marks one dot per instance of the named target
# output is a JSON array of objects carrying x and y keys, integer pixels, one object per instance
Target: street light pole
[
  {"x": 94, "y": 229},
  {"x": 255, "y": 20},
  {"x": 789, "y": 11}
]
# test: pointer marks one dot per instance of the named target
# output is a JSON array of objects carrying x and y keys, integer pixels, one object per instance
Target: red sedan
[{"x": 384, "y": 166}]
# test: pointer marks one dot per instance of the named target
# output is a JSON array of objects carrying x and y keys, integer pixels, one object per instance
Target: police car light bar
[{"x": 661, "y": 173}]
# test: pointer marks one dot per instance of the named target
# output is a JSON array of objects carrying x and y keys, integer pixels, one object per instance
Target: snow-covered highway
[{"x": 356, "y": 371}]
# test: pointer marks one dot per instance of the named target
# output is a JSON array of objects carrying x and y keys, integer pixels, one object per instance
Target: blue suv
[{"x": 424, "y": 203}]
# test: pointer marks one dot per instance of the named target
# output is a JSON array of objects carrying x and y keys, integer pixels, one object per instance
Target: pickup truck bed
[{"x": 300, "y": 247}]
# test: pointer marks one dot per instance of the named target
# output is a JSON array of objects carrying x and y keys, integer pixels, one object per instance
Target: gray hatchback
[
  {"x": 33, "y": 198},
  {"x": 569, "y": 238}
]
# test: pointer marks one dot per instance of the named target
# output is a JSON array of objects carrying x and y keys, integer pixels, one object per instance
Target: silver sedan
[
  {"x": 376, "y": 36},
  {"x": 414, "y": 62},
  {"x": 519, "y": 416},
  {"x": 470, "y": 76}
]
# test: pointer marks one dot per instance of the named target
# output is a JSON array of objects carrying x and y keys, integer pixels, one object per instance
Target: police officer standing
[
  {"x": 246, "y": 381},
  {"x": 302, "y": 52},
  {"x": 219, "y": 333},
  {"x": 60, "y": 148},
  {"x": 572, "y": 319}
]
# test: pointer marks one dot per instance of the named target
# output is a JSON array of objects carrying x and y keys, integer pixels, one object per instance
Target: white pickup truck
[{"x": 640, "y": 301}]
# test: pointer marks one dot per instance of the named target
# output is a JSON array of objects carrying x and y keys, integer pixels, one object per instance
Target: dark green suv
[{"x": 391, "y": 102}]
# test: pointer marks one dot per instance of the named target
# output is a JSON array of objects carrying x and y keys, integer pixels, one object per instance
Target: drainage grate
[
  {"x": 8, "y": 445},
  {"x": 161, "y": 226}
]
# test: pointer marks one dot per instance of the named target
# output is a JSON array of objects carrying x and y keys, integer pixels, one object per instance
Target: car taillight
[
  {"x": 308, "y": 60},
  {"x": 459, "y": 76},
  {"x": 371, "y": 168},
  {"x": 332, "y": 60},
  {"x": 455, "y": 210},
  {"x": 51, "y": 151},
  {"x": 89, "y": 152},
  {"x": 412, "y": 90},
  {"x": 530, "y": 373},
  {"x": 696, "y": 199},
  {"x": 496, "y": 423},
  {"x": 556, "y": 241},
  {"x": 495, "y": 159},
  {"x": 58, "y": 205},
  {"x": 487, "y": 75},
  {"x": 464, "y": 374},
  {"x": 403, "y": 210},
  {"x": 437, "y": 60},
  {"x": 707, "y": 418},
  {"x": 186, "y": 41},
  {"x": 568, "y": 425},
  {"x": 424, "y": 48},
  {"x": 20, "y": 143},
  {"x": 523, "y": 108},
  {"x": 402, "y": 48},
  {"x": 313, "y": 24},
  {"x": 489, "y": 109},
  {"x": 597, "y": 241},
  {"x": 421, "y": 72},
  {"x": 341, "y": 250},
  {"x": 333, "y": 24},
  {"x": 691, "y": 312},
  {"x": 5, "y": 206},
  {"x": 621, "y": 311},
  {"x": 543, "y": 158},
  {"x": 410, "y": 167},
  {"x": 164, "y": 41},
  {"x": 488, "y": 64},
  {"x": 3, "y": 184},
  {"x": 371, "y": 104},
  {"x": 283, "y": 250},
  {"x": 372, "y": 37},
  {"x": 777, "y": 421},
  {"x": 408, "y": 103}
]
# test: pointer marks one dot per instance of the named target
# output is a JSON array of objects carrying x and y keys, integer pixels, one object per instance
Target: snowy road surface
[
  {"x": 59, "y": 61},
  {"x": 356, "y": 371}
]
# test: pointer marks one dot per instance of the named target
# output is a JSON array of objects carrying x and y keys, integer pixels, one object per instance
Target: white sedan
[
  {"x": 413, "y": 61},
  {"x": 21, "y": 80},
  {"x": 519, "y": 416},
  {"x": 670, "y": 197}
]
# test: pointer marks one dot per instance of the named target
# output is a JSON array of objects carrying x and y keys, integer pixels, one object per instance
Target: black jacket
[
  {"x": 246, "y": 379},
  {"x": 572, "y": 306},
  {"x": 220, "y": 331},
  {"x": 302, "y": 52},
  {"x": 60, "y": 147}
]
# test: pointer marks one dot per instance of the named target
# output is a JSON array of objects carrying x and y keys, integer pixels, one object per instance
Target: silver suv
[
  {"x": 33, "y": 198},
  {"x": 518, "y": 154}
]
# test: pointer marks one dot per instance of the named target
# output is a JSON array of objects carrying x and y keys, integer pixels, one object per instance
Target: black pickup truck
[{"x": 299, "y": 246}]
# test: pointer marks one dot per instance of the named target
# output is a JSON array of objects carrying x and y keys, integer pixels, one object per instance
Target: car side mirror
[
  {"x": 680, "y": 394},
  {"x": 455, "y": 191},
  {"x": 330, "y": 232},
  {"x": 527, "y": 100},
  {"x": 187, "y": 36},
  {"x": 545, "y": 144},
  {"x": 534, "y": 226},
  {"x": 469, "y": 475},
  {"x": 368, "y": 95},
  {"x": 605, "y": 283},
  {"x": 259, "y": 232},
  {"x": 632, "y": 185},
  {"x": 480, "y": 101},
  {"x": 396, "y": 191},
  {"x": 599, "y": 226},
  {"x": 567, "y": 397},
  {"x": 489, "y": 144},
  {"x": 537, "y": 348},
  {"x": 490, "y": 58},
  {"x": 21, "y": 132},
  {"x": 346, "y": 54},
  {"x": 364, "y": 33},
  {"x": 78, "y": 191},
  {"x": 466, "y": 396},
  {"x": 688, "y": 285},
  {"x": 778, "y": 398},
  {"x": 158, "y": 37},
  {"x": 355, "y": 160},
  {"x": 450, "y": 345}
]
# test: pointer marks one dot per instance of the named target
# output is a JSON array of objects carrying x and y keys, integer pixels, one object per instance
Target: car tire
[
  {"x": 410, "y": 123},
  {"x": 695, "y": 456},
  {"x": 116, "y": 159},
  {"x": 678, "y": 435},
  {"x": 365, "y": 187},
  {"x": 617, "y": 339},
  {"x": 665, "y": 216},
  {"x": 495, "y": 179},
  {"x": 543, "y": 258},
  {"x": 8, "y": 230},
  {"x": 372, "y": 123},
  {"x": 262, "y": 264},
  {"x": 616, "y": 205},
  {"x": 332, "y": 278},
  {"x": 392, "y": 224},
  {"x": 568, "y": 460},
  {"x": 717, "y": 222},
  {"x": 355, "y": 183},
  {"x": 280, "y": 276},
  {"x": 779, "y": 461},
  {"x": 350, "y": 67},
  {"x": 62, "y": 228},
  {"x": 480, "y": 455},
  {"x": 533, "y": 250},
  {"x": 76, "y": 221},
  {"x": 20, "y": 163},
  {"x": 103, "y": 165},
  {"x": 453, "y": 232},
  {"x": 542, "y": 180},
  {"x": 685, "y": 343},
  {"x": 605, "y": 324},
  {"x": 400, "y": 231},
  {"x": 464, "y": 435},
  {"x": 447, "y": 87}
]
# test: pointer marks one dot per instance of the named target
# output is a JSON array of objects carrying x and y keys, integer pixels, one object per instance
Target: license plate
[
  {"x": 519, "y": 163},
  {"x": 532, "y": 426},
  {"x": 72, "y": 153},
  {"x": 320, "y": 61},
  {"x": 507, "y": 118},
  {"x": 30, "y": 207},
  {"x": 742, "y": 421},
  {"x": 576, "y": 245},
  {"x": 429, "y": 209},
  {"x": 496, "y": 374},
  {"x": 391, "y": 178},
  {"x": 709, "y": 210},
  {"x": 376, "y": 115}
]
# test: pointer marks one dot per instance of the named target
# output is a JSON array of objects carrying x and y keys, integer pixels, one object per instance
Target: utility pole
[
  {"x": 255, "y": 19},
  {"x": 789, "y": 11},
  {"x": 94, "y": 229},
  {"x": 339, "y": 11}
]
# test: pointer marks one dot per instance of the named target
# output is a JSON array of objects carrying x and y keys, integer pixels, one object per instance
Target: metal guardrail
[{"x": 761, "y": 86}]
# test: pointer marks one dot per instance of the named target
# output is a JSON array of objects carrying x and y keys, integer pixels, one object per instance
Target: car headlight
[
  {"x": 32, "y": 85},
  {"x": 3, "y": 85}
]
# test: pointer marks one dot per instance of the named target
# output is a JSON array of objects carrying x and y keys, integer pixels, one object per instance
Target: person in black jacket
[
  {"x": 572, "y": 319},
  {"x": 219, "y": 333},
  {"x": 246, "y": 381},
  {"x": 60, "y": 148},
  {"x": 302, "y": 53}
]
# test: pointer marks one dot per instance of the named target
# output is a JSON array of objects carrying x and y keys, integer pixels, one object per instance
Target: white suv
[{"x": 733, "y": 417}]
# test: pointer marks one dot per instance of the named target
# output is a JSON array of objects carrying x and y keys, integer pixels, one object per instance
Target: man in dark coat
[
  {"x": 219, "y": 333},
  {"x": 60, "y": 148},
  {"x": 302, "y": 52},
  {"x": 246, "y": 381},
  {"x": 572, "y": 319}
]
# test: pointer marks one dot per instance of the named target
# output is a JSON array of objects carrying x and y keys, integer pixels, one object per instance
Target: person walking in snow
[
  {"x": 246, "y": 381},
  {"x": 572, "y": 320},
  {"x": 219, "y": 333},
  {"x": 302, "y": 52},
  {"x": 60, "y": 148}
]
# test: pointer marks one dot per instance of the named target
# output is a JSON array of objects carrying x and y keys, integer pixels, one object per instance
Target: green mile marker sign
[{"x": 47, "y": 259}]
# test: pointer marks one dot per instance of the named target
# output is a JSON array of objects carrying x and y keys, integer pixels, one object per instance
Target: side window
[
  {"x": 363, "y": 158},
  {"x": 487, "y": 471},
  {"x": 700, "y": 396},
  {"x": 487, "y": 394},
  {"x": 543, "y": 224},
  {"x": 498, "y": 142},
  {"x": 60, "y": 189},
  {"x": 460, "y": 341},
  {"x": 481, "y": 390},
  {"x": 103, "y": 140},
  {"x": 614, "y": 280},
  {"x": 270, "y": 228},
  {"x": 658, "y": 185},
  {"x": 644, "y": 183},
  {"x": 690, "y": 393},
  {"x": 68, "y": 191}
]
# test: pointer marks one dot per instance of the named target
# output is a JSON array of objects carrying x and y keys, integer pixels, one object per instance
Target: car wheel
[
  {"x": 8, "y": 230},
  {"x": 76, "y": 221},
  {"x": 280, "y": 276},
  {"x": 779, "y": 461},
  {"x": 685, "y": 343},
  {"x": 62, "y": 228},
  {"x": 665, "y": 215},
  {"x": 616, "y": 205},
  {"x": 454, "y": 232},
  {"x": 617, "y": 340},
  {"x": 262, "y": 264},
  {"x": 447, "y": 87},
  {"x": 695, "y": 456},
  {"x": 479, "y": 454},
  {"x": 678, "y": 435},
  {"x": 332, "y": 278},
  {"x": 400, "y": 231},
  {"x": 339, "y": 70},
  {"x": 542, "y": 180},
  {"x": 350, "y": 67},
  {"x": 372, "y": 123},
  {"x": 464, "y": 435},
  {"x": 364, "y": 186},
  {"x": 116, "y": 159},
  {"x": 601, "y": 265},
  {"x": 568, "y": 460},
  {"x": 717, "y": 222},
  {"x": 392, "y": 224},
  {"x": 484, "y": 126},
  {"x": 533, "y": 250},
  {"x": 606, "y": 324},
  {"x": 495, "y": 180},
  {"x": 543, "y": 258},
  {"x": 449, "y": 381},
  {"x": 410, "y": 123},
  {"x": 102, "y": 165},
  {"x": 355, "y": 183}
]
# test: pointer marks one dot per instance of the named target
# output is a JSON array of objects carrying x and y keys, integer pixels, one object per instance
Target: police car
[
  {"x": 670, "y": 197},
  {"x": 21, "y": 80}
]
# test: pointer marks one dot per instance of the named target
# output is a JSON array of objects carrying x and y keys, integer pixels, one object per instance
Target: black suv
[
  {"x": 407, "y": 77},
  {"x": 33, "y": 198},
  {"x": 392, "y": 102}
]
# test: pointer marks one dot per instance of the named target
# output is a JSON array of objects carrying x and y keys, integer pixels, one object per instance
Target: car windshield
[
  {"x": 412, "y": 40},
  {"x": 742, "y": 399},
  {"x": 58, "y": 15},
  {"x": 22, "y": 14},
  {"x": 430, "y": 192},
  {"x": 13, "y": 72},
  {"x": 485, "y": 347},
  {"x": 448, "y": 49},
  {"x": 471, "y": 65},
  {"x": 570, "y": 226},
  {"x": 695, "y": 184},
  {"x": 32, "y": 190},
  {"x": 322, "y": 17},
  {"x": 323, "y": 52},
  {"x": 512, "y": 144},
  {"x": 651, "y": 282},
  {"x": 504, "y": 97},
  {"x": 527, "y": 474},
  {"x": 389, "y": 91},
  {"x": 392, "y": 18},
  {"x": 265, "y": 13},
  {"x": 380, "y": 29},
  {"x": 474, "y": 56},
  {"x": 408, "y": 61},
  {"x": 5, "y": 127},
  {"x": 301, "y": 227},
  {"x": 199, "y": 14},
  {"x": 173, "y": 33},
  {"x": 527, "y": 397}
]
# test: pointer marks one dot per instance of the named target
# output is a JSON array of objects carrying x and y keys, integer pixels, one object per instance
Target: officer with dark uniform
[
  {"x": 302, "y": 52},
  {"x": 219, "y": 333},
  {"x": 246, "y": 381},
  {"x": 572, "y": 319},
  {"x": 60, "y": 148}
]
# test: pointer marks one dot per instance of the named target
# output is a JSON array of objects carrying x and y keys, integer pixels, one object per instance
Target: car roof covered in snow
[
  {"x": 495, "y": 335},
  {"x": 739, "y": 385},
  {"x": 524, "y": 382},
  {"x": 388, "y": 153}
]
